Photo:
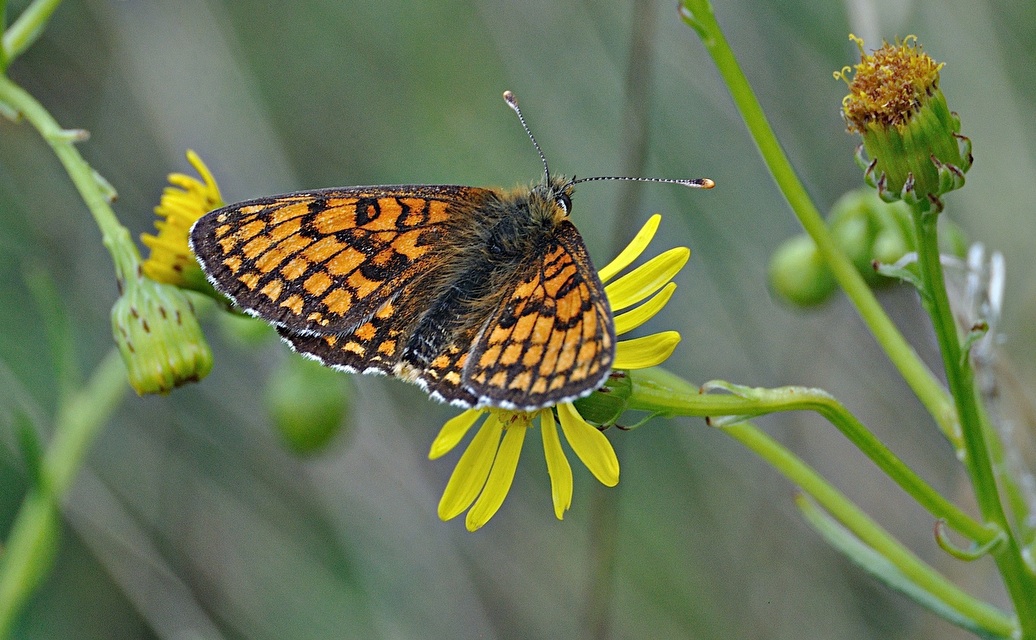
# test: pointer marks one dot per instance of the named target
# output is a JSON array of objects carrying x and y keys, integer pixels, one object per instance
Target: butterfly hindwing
[{"x": 551, "y": 339}]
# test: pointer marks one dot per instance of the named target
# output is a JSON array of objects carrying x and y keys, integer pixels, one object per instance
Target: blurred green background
[{"x": 193, "y": 519}]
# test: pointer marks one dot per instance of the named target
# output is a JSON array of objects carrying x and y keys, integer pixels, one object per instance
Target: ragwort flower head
[
  {"x": 184, "y": 201},
  {"x": 909, "y": 133},
  {"x": 486, "y": 469}
]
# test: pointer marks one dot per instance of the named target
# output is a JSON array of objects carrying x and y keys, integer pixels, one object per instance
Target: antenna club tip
[
  {"x": 706, "y": 183},
  {"x": 509, "y": 98}
]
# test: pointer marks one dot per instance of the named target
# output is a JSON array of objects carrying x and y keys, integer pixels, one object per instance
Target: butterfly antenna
[
  {"x": 513, "y": 103},
  {"x": 697, "y": 183}
]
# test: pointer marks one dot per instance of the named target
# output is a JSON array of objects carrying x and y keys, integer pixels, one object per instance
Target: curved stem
[
  {"x": 661, "y": 392},
  {"x": 1020, "y": 582},
  {"x": 699, "y": 15}
]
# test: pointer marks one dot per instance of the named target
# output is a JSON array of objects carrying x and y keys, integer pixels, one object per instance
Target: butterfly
[{"x": 483, "y": 297}]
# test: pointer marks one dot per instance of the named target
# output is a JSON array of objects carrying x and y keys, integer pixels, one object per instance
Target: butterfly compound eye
[{"x": 565, "y": 203}]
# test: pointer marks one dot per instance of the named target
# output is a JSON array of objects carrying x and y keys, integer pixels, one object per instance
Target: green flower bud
[
  {"x": 864, "y": 227},
  {"x": 604, "y": 406},
  {"x": 798, "y": 274},
  {"x": 911, "y": 137},
  {"x": 308, "y": 403},
  {"x": 860, "y": 220},
  {"x": 158, "y": 335}
]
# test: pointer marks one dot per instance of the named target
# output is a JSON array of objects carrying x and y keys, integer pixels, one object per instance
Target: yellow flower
[
  {"x": 184, "y": 201},
  {"x": 486, "y": 470}
]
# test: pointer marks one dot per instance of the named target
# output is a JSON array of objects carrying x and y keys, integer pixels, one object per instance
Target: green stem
[
  {"x": 32, "y": 542},
  {"x": 26, "y": 29},
  {"x": 661, "y": 392},
  {"x": 1020, "y": 582},
  {"x": 870, "y": 532},
  {"x": 92, "y": 189},
  {"x": 699, "y": 15}
]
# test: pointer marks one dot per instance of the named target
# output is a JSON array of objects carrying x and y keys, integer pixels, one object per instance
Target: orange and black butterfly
[{"x": 483, "y": 297}]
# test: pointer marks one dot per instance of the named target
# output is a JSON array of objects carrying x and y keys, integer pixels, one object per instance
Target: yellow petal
[
  {"x": 452, "y": 432},
  {"x": 647, "y": 278},
  {"x": 632, "y": 319},
  {"x": 500, "y": 479},
  {"x": 641, "y": 353},
  {"x": 590, "y": 445},
  {"x": 557, "y": 465},
  {"x": 211, "y": 188},
  {"x": 632, "y": 250},
  {"x": 472, "y": 470}
]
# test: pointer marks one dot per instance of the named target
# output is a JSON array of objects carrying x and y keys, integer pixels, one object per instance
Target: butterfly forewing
[{"x": 325, "y": 261}]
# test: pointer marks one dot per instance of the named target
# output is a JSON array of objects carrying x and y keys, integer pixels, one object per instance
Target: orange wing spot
[
  {"x": 452, "y": 377},
  {"x": 317, "y": 283},
  {"x": 223, "y": 229},
  {"x": 272, "y": 289},
  {"x": 269, "y": 261},
  {"x": 522, "y": 330},
  {"x": 251, "y": 209},
  {"x": 532, "y": 356},
  {"x": 255, "y": 246},
  {"x": 388, "y": 348},
  {"x": 338, "y": 301},
  {"x": 345, "y": 262},
  {"x": 569, "y": 307},
  {"x": 294, "y": 269},
  {"x": 386, "y": 311},
  {"x": 288, "y": 209},
  {"x": 549, "y": 364},
  {"x": 293, "y": 303},
  {"x": 440, "y": 363},
  {"x": 540, "y": 386},
  {"x": 541, "y": 331},
  {"x": 557, "y": 383},
  {"x": 499, "y": 335},
  {"x": 354, "y": 347},
  {"x": 415, "y": 213},
  {"x": 488, "y": 359},
  {"x": 589, "y": 325},
  {"x": 406, "y": 243},
  {"x": 366, "y": 332},
  {"x": 233, "y": 263},
  {"x": 281, "y": 231},
  {"x": 511, "y": 354},
  {"x": 499, "y": 379},
  {"x": 567, "y": 357},
  {"x": 228, "y": 243},
  {"x": 362, "y": 285},
  {"x": 388, "y": 219},
  {"x": 331, "y": 340},
  {"x": 437, "y": 212},
  {"x": 317, "y": 318},
  {"x": 521, "y": 381},
  {"x": 250, "y": 279},
  {"x": 587, "y": 357},
  {"x": 322, "y": 250},
  {"x": 335, "y": 219},
  {"x": 250, "y": 230}
]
